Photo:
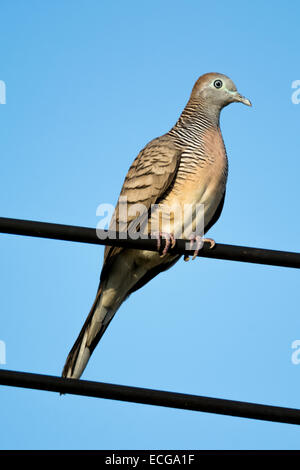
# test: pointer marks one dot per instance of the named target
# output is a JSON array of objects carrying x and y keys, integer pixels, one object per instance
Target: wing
[{"x": 149, "y": 178}]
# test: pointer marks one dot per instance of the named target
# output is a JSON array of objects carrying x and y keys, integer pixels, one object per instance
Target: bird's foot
[
  {"x": 170, "y": 242},
  {"x": 199, "y": 245}
]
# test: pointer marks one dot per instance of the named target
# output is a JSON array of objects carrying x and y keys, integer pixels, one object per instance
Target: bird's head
[{"x": 216, "y": 89}]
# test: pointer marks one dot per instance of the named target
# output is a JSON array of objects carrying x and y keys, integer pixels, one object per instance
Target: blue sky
[{"x": 88, "y": 84}]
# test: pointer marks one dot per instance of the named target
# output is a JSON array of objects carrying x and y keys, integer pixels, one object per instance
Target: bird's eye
[{"x": 218, "y": 83}]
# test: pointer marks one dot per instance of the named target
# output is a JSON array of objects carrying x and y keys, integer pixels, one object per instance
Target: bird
[{"x": 188, "y": 165}]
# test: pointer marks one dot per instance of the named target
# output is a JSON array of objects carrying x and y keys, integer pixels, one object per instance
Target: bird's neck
[{"x": 196, "y": 118}]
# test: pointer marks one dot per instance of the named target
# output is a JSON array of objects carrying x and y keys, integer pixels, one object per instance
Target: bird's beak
[{"x": 241, "y": 99}]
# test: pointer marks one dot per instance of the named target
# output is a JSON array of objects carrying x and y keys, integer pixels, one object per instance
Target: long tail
[
  {"x": 124, "y": 277},
  {"x": 88, "y": 338}
]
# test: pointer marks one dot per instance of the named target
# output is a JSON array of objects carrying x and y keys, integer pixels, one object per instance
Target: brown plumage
[{"x": 188, "y": 165}]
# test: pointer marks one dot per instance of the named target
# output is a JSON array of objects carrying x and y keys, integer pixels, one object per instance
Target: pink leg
[
  {"x": 199, "y": 244},
  {"x": 170, "y": 241}
]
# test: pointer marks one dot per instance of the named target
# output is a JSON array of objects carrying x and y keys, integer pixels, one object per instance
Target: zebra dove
[{"x": 186, "y": 166}]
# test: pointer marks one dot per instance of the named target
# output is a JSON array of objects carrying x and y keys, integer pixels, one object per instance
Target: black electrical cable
[
  {"x": 141, "y": 395},
  {"x": 103, "y": 237},
  {"x": 150, "y": 397}
]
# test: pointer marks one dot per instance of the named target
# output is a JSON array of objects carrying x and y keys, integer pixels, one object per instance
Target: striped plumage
[{"x": 188, "y": 165}]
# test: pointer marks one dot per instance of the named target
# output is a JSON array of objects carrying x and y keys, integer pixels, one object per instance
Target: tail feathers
[{"x": 89, "y": 336}]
